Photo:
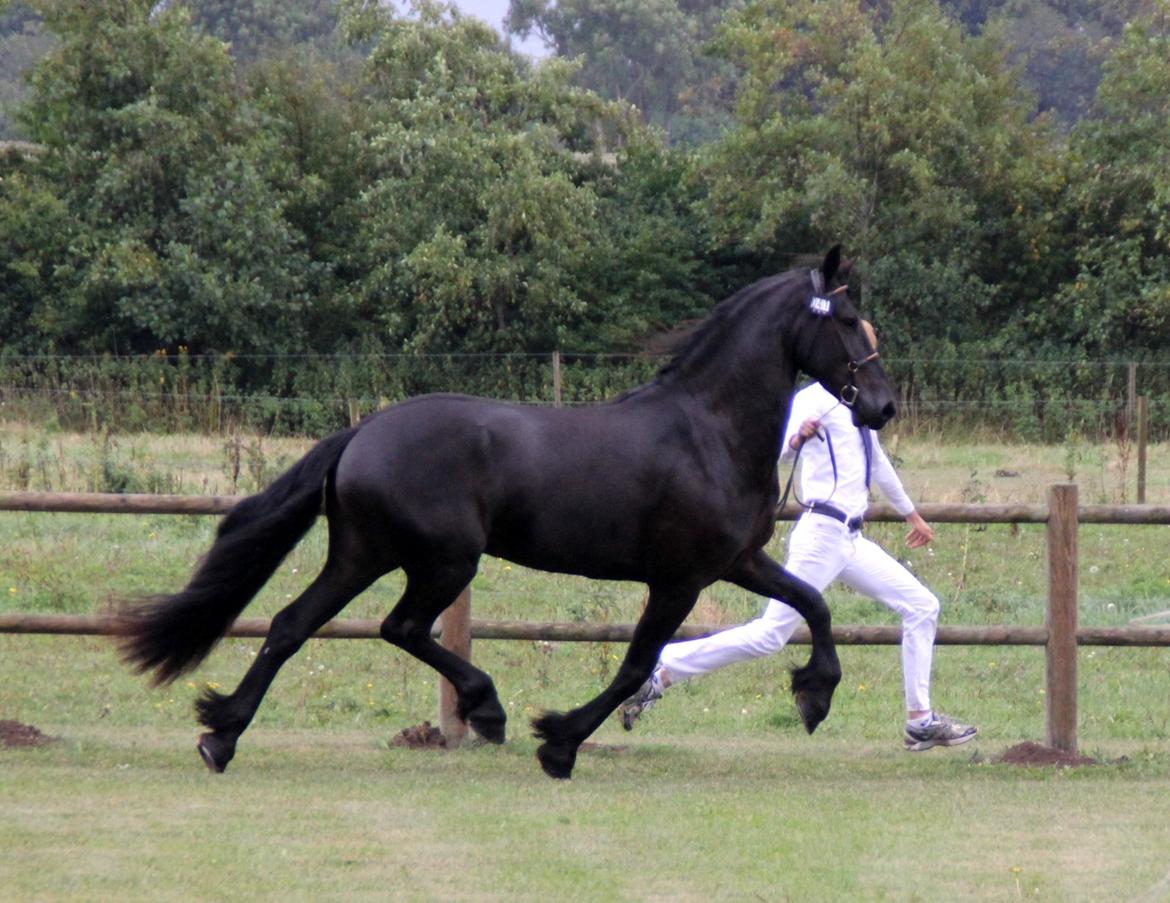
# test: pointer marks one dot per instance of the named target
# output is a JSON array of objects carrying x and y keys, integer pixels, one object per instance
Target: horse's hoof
[
  {"x": 215, "y": 752},
  {"x": 557, "y": 761},
  {"x": 488, "y": 722},
  {"x": 813, "y": 707}
]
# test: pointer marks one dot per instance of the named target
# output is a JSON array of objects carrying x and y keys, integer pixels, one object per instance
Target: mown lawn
[{"x": 718, "y": 795}]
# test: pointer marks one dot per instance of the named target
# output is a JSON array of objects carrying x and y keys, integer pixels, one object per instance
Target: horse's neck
[{"x": 748, "y": 396}]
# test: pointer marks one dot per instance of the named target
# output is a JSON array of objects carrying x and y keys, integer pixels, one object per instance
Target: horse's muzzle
[{"x": 874, "y": 419}]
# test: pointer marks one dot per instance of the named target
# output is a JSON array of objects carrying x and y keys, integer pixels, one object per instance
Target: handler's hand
[
  {"x": 806, "y": 431},
  {"x": 920, "y": 531}
]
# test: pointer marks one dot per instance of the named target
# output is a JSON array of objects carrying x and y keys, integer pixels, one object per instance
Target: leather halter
[{"x": 849, "y": 391}]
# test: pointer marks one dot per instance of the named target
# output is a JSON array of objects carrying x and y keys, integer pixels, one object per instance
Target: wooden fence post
[
  {"x": 1061, "y": 649},
  {"x": 556, "y": 368},
  {"x": 1130, "y": 398},
  {"x": 1143, "y": 415},
  {"x": 455, "y": 635}
]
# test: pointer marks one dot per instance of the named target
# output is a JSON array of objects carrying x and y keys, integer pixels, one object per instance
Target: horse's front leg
[
  {"x": 814, "y": 683},
  {"x": 564, "y": 732}
]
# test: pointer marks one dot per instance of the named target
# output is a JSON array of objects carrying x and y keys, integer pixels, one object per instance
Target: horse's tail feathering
[{"x": 170, "y": 635}]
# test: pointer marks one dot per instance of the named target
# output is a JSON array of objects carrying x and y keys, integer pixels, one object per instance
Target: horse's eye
[{"x": 849, "y": 321}]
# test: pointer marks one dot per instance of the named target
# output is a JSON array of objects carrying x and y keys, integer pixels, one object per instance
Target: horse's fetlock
[
  {"x": 221, "y": 713},
  {"x": 479, "y": 690}
]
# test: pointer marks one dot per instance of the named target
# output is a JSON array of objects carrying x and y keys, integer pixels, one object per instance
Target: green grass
[{"x": 719, "y": 794}]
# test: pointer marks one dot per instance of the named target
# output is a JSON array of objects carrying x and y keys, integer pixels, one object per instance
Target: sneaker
[
  {"x": 941, "y": 731},
  {"x": 648, "y": 694}
]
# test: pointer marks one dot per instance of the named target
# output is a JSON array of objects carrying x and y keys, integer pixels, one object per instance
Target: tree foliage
[
  {"x": 1118, "y": 301},
  {"x": 650, "y": 53},
  {"x": 255, "y": 28},
  {"x": 444, "y": 194},
  {"x": 450, "y": 196},
  {"x": 181, "y": 235},
  {"x": 894, "y": 128}
]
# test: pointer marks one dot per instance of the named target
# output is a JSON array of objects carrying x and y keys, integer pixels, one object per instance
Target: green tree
[
  {"x": 22, "y": 43},
  {"x": 153, "y": 149},
  {"x": 482, "y": 221},
  {"x": 254, "y": 28},
  {"x": 1118, "y": 302},
  {"x": 650, "y": 53},
  {"x": 35, "y": 235},
  {"x": 888, "y": 129}
]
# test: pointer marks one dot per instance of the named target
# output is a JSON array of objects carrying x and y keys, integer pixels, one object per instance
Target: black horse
[{"x": 673, "y": 484}]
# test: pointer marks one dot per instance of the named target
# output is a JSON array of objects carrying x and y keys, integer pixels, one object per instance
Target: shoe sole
[
  {"x": 629, "y": 716},
  {"x": 923, "y": 745}
]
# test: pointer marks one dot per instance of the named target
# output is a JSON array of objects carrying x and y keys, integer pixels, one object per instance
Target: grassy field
[{"x": 718, "y": 794}]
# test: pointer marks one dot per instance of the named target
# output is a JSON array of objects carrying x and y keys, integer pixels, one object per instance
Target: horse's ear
[{"x": 832, "y": 263}]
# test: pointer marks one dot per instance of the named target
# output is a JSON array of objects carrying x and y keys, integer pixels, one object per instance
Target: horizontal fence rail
[
  {"x": 1060, "y": 635},
  {"x": 583, "y": 632},
  {"x": 942, "y": 513}
]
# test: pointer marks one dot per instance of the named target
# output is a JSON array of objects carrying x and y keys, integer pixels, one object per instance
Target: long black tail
[{"x": 170, "y": 635}]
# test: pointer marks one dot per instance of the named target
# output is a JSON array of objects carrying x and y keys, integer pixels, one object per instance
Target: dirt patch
[
  {"x": 421, "y": 736},
  {"x": 13, "y": 733},
  {"x": 1029, "y": 753}
]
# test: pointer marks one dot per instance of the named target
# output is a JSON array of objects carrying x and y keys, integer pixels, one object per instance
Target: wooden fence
[{"x": 1060, "y": 635}]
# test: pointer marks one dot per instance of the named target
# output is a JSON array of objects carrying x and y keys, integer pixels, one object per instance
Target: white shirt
[{"x": 816, "y": 468}]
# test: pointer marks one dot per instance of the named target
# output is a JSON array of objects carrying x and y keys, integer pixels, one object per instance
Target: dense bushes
[{"x": 285, "y": 232}]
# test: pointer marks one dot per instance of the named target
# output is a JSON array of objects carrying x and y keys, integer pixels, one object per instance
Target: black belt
[{"x": 853, "y": 523}]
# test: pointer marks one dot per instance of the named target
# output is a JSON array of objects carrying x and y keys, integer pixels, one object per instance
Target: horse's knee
[
  {"x": 631, "y": 675},
  {"x": 810, "y": 605}
]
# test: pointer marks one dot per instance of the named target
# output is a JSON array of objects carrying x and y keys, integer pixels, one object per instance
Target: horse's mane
[{"x": 690, "y": 339}]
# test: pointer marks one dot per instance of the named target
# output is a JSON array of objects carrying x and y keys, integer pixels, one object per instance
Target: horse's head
[{"x": 838, "y": 348}]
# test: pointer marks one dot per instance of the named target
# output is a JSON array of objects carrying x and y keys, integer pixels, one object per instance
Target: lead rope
[{"x": 789, "y": 487}]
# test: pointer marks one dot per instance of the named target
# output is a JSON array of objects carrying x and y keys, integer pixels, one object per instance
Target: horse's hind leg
[
  {"x": 429, "y": 591},
  {"x": 228, "y": 716},
  {"x": 563, "y": 733}
]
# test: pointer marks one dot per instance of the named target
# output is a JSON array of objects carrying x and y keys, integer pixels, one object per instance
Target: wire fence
[{"x": 310, "y": 394}]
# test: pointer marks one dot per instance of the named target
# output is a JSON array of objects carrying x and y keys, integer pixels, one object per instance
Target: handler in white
[{"x": 837, "y": 463}]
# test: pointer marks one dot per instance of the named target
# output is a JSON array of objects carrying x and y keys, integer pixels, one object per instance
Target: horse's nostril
[{"x": 889, "y": 411}]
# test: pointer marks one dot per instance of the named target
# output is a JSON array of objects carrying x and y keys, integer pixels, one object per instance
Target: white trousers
[{"x": 821, "y": 550}]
